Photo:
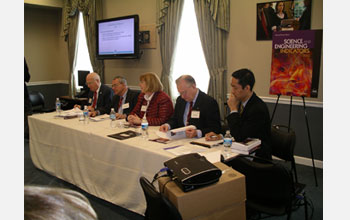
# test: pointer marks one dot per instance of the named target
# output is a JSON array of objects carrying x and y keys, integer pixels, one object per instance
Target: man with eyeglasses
[
  {"x": 193, "y": 107},
  {"x": 99, "y": 97},
  {"x": 249, "y": 116},
  {"x": 124, "y": 99}
]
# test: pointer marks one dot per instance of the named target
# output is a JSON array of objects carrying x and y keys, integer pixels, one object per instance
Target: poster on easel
[{"x": 295, "y": 64}]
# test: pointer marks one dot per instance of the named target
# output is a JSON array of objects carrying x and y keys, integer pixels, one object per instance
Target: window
[
  {"x": 82, "y": 57},
  {"x": 189, "y": 57}
]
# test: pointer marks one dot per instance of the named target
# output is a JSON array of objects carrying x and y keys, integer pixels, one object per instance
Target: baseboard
[
  {"x": 305, "y": 161},
  {"x": 308, "y": 162}
]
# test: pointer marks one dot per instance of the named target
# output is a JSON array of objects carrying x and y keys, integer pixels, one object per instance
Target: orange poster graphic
[{"x": 295, "y": 63}]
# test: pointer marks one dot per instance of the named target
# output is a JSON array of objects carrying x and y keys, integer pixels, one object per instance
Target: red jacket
[{"x": 160, "y": 108}]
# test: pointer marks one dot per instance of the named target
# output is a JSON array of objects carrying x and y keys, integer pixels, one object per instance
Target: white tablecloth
[{"x": 84, "y": 156}]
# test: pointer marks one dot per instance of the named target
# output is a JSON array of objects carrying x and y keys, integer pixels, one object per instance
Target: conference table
[{"x": 83, "y": 155}]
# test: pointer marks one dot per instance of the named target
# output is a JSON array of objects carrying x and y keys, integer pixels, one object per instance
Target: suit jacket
[
  {"x": 209, "y": 116},
  {"x": 254, "y": 123},
  {"x": 131, "y": 98},
  {"x": 159, "y": 110},
  {"x": 104, "y": 100}
]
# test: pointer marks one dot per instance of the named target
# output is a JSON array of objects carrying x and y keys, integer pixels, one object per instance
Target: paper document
[
  {"x": 99, "y": 118},
  {"x": 212, "y": 156},
  {"x": 72, "y": 112},
  {"x": 177, "y": 133},
  {"x": 183, "y": 149}
]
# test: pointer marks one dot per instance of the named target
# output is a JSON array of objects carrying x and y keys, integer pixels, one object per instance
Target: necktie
[
  {"x": 241, "y": 107},
  {"x": 120, "y": 102},
  {"x": 189, "y": 113},
  {"x": 95, "y": 100}
]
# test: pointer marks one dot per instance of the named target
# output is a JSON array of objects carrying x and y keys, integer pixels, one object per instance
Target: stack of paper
[
  {"x": 247, "y": 146},
  {"x": 70, "y": 113}
]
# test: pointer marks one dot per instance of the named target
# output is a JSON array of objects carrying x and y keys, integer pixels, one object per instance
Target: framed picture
[{"x": 282, "y": 16}]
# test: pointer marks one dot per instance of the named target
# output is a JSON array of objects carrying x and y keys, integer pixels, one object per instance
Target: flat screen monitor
[
  {"x": 82, "y": 77},
  {"x": 118, "y": 37}
]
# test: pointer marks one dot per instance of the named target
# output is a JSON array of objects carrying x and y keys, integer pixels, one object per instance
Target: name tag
[
  {"x": 90, "y": 100},
  {"x": 126, "y": 105},
  {"x": 195, "y": 114},
  {"x": 143, "y": 108}
]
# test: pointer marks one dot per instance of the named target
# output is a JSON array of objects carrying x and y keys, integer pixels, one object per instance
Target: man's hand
[
  {"x": 164, "y": 128},
  {"x": 211, "y": 136},
  {"x": 191, "y": 133},
  {"x": 91, "y": 109},
  {"x": 232, "y": 103},
  {"x": 92, "y": 114},
  {"x": 134, "y": 119},
  {"x": 77, "y": 106},
  {"x": 120, "y": 116}
]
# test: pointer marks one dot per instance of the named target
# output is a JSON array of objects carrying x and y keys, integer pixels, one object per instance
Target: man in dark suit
[
  {"x": 124, "y": 99},
  {"x": 249, "y": 116},
  {"x": 193, "y": 107},
  {"x": 99, "y": 97}
]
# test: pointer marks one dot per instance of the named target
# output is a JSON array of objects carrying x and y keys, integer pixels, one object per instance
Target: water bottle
[
  {"x": 144, "y": 128},
  {"x": 227, "y": 141},
  {"x": 86, "y": 115},
  {"x": 113, "y": 118},
  {"x": 58, "y": 106}
]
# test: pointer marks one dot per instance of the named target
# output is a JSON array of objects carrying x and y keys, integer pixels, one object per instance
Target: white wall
[
  {"x": 44, "y": 48},
  {"x": 47, "y": 57},
  {"x": 245, "y": 51}
]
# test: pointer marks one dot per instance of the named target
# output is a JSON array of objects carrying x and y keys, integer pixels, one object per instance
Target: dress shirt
[
  {"x": 120, "y": 109},
  {"x": 97, "y": 91},
  {"x": 187, "y": 109},
  {"x": 243, "y": 103},
  {"x": 148, "y": 99}
]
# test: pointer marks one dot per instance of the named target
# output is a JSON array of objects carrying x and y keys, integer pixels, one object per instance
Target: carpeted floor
[{"x": 108, "y": 211}]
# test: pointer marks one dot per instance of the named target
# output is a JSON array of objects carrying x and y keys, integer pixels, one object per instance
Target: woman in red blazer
[{"x": 152, "y": 103}]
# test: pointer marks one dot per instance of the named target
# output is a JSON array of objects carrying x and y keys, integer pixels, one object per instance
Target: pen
[
  {"x": 213, "y": 136},
  {"x": 168, "y": 148}
]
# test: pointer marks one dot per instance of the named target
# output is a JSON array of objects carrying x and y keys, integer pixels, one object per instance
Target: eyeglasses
[{"x": 115, "y": 85}]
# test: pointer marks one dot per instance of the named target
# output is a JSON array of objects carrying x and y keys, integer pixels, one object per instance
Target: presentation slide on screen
[{"x": 116, "y": 37}]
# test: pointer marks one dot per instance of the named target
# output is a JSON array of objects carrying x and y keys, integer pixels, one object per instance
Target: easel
[{"x": 307, "y": 126}]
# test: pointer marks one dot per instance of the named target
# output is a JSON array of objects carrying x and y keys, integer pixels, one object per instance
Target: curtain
[
  {"x": 70, "y": 30},
  {"x": 91, "y": 10},
  {"x": 169, "y": 16},
  {"x": 213, "y": 18},
  {"x": 90, "y": 17}
]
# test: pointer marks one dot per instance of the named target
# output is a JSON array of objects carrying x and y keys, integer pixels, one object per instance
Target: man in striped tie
[
  {"x": 193, "y": 107},
  {"x": 99, "y": 97},
  {"x": 124, "y": 99}
]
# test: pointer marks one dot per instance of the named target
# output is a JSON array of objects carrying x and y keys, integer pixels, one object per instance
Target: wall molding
[
  {"x": 305, "y": 161},
  {"x": 296, "y": 101},
  {"x": 45, "y": 3},
  {"x": 40, "y": 83}
]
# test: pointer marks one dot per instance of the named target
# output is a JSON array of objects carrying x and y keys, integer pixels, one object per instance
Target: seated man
[
  {"x": 249, "y": 116},
  {"x": 124, "y": 99},
  {"x": 99, "y": 97},
  {"x": 193, "y": 107}
]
